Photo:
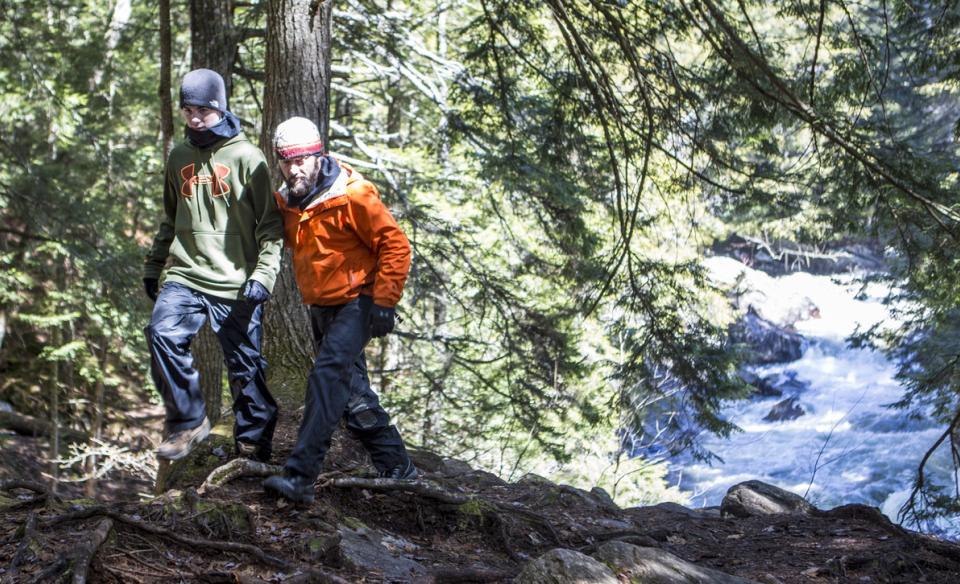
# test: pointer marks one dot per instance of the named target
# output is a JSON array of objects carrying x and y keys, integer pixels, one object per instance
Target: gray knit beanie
[{"x": 203, "y": 88}]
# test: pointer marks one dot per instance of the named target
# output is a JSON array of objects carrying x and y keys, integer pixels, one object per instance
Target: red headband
[{"x": 298, "y": 150}]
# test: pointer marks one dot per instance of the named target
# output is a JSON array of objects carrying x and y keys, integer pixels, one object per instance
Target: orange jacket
[{"x": 347, "y": 244}]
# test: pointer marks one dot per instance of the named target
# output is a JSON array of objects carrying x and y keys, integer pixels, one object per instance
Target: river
[{"x": 848, "y": 446}]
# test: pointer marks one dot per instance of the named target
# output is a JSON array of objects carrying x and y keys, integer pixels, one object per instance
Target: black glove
[
  {"x": 382, "y": 320},
  {"x": 255, "y": 293},
  {"x": 152, "y": 287}
]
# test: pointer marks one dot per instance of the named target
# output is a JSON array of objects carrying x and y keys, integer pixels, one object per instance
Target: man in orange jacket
[{"x": 351, "y": 261}]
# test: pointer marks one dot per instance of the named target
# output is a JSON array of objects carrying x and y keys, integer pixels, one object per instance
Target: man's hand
[
  {"x": 255, "y": 293},
  {"x": 382, "y": 320},
  {"x": 152, "y": 287}
]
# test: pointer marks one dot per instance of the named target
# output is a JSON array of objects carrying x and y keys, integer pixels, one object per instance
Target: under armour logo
[{"x": 190, "y": 180}]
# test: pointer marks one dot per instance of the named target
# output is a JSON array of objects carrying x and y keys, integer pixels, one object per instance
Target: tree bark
[
  {"x": 213, "y": 38},
  {"x": 166, "y": 101},
  {"x": 297, "y": 84}
]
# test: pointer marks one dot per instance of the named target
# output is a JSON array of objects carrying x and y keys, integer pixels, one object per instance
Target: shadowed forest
[{"x": 565, "y": 172}]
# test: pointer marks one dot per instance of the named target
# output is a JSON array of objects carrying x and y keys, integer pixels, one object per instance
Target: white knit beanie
[{"x": 297, "y": 137}]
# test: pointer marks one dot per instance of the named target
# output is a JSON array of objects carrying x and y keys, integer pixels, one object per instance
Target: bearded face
[{"x": 301, "y": 174}]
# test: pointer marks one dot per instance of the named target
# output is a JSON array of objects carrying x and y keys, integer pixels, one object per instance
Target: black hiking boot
[
  {"x": 293, "y": 487},
  {"x": 405, "y": 471}
]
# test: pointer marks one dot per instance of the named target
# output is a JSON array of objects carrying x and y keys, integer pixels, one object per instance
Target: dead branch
[
  {"x": 88, "y": 550},
  {"x": 236, "y": 468},
  {"x": 29, "y": 532}
]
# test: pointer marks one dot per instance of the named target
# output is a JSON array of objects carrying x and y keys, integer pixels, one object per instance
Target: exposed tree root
[
  {"x": 51, "y": 572},
  {"x": 36, "y": 487},
  {"x": 190, "y": 542},
  {"x": 492, "y": 511},
  {"x": 88, "y": 550},
  {"x": 423, "y": 488},
  {"x": 236, "y": 468},
  {"x": 311, "y": 575},
  {"x": 29, "y": 533}
]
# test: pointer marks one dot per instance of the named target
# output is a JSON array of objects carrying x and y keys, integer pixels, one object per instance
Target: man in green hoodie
[{"x": 223, "y": 234}]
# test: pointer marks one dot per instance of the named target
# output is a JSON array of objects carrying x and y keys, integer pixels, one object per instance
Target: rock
[
  {"x": 589, "y": 499},
  {"x": 324, "y": 549},
  {"x": 767, "y": 343},
  {"x": 603, "y": 496},
  {"x": 368, "y": 550},
  {"x": 677, "y": 508},
  {"x": 562, "y": 566},
  {"x": 452, "y": 467},
  {"x": 753, "y": 498},
  {"x": 654, "y": 566},
  {"x": 425, "y": 460},
  {"x": 481, "y": 479},
  {"x": 535, "y": 480},
  {"x": 784, "y": 411},
  {"x": 763, "y": 386}
]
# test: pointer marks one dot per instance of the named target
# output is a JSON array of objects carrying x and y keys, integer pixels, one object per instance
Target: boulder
[
  {"x": 784, "y": 411},
  {"x": 452, "y": 467},
  {"x": 604, "y": 497},
  {"x": 644, "y": 565},
  {"x": 424, "y": 459},
  {"x": 369, "y": 551},
  {"x": 562, "y": 566},
  {"x": 763, "y": 386},
  {"x": 766, "y": 342},
  {"x": 753, "y": 498}
]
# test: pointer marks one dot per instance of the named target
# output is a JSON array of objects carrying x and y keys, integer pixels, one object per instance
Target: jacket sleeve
[
  {"x": 379, "y": 231},
  {"x": 157, "y": 256},
  {"x": 269, "y": 230}
]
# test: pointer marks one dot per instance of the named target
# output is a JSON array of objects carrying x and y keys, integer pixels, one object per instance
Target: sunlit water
[{"x": 848, "y": 447}]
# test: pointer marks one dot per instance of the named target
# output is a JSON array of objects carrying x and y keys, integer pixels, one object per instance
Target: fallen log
[{"x": 30, "y": 426}]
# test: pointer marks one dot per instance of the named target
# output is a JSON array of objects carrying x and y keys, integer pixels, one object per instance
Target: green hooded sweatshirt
[{"x": 221, "y": 225}]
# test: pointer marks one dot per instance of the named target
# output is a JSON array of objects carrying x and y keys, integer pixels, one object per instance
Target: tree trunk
[
  {"x": 213, "y": 39},
  {"x": 297, "y": 84},
  {"x": 166, "y": 102},
  {"x": 96, "y": 428}
]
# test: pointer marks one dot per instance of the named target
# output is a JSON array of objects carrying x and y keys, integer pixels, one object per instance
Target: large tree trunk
[
  {"x": 213, "y": 40},
  {"x": 297, "y": 84}
]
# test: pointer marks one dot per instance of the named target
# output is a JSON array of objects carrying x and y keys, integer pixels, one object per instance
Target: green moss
[
  {"x": 353, "y": 523},
  {"x": 472, "y": 512}
]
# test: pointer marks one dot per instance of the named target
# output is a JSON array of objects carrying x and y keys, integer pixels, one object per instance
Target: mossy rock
[
  {"x": 354, "y": 523},
  {"x": 473, "y": 512}
]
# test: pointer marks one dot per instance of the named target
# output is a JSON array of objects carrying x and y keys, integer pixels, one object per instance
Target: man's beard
[{"x": 301, "y": 187}]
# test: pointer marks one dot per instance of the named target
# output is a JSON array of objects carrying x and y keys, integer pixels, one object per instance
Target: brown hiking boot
[{"x": 180, "y": 444}]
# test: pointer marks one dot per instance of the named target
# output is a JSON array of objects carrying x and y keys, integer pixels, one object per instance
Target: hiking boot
[
  {"x": 405, "y": 471},
  {"x": 290, "y": 486},
  {"x": 180, "y": 444},
  {"x": 254, "y": 451}
]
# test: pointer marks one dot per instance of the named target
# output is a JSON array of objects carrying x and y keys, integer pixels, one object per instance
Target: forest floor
[{"x": 455, "y": 524}]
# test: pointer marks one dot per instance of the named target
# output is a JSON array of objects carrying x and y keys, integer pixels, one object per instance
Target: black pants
[
  {"x": 177, "y": 317},
  {"x": 338, "y": 387}
]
